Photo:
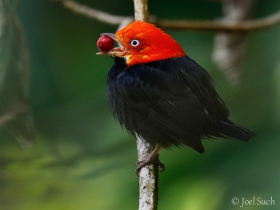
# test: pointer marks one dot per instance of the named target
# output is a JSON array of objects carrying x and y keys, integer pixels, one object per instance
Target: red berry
[{"x": 105, "y": 43}]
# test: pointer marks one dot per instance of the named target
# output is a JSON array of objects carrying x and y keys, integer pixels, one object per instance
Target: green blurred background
[{"x": 84, "y": 160}]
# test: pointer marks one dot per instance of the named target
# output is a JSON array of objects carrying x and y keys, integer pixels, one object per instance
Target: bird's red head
[{"x": 142, "y": 42}]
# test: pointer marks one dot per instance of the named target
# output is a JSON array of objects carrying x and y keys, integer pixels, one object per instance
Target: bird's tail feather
[{"x": 233, "y": 130}]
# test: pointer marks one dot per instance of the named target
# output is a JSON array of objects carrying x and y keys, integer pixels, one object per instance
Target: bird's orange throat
[{"x": 137, "y": 58}]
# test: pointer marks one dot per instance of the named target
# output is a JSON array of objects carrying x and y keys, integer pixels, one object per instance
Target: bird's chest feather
[
  {"x": 128, "y": 88},
  {"x": 170, "y": 88}
]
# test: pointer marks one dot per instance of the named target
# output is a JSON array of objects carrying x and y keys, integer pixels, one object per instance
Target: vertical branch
[
  {"x": 230, "y": 46},
  {"x": 148, "y": 176},
  {"x": 141, "y": 10}
]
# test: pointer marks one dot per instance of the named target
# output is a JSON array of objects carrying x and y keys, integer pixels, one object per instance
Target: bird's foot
[{"x": 148, "y": 161}]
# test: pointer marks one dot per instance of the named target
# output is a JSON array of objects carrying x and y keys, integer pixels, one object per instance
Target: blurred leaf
[{"x": 14, "y": 71}]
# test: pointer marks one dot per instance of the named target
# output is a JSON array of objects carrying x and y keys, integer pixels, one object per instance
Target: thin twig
[
  {"x": 221, "y": 25},
  {"x": 216, "y": 25},
  {"x": 93, "y": 13}
]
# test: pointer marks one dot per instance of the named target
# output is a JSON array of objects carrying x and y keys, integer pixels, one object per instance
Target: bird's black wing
[
  {"x": 164, "y": 101},
  {"x": 170, "y": 102}
]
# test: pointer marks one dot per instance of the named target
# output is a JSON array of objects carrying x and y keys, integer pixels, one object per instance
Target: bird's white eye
[{"x": 134, "y": 43}]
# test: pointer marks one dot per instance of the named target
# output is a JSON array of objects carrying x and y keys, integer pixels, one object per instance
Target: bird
[{"x": 157, "y": 92}]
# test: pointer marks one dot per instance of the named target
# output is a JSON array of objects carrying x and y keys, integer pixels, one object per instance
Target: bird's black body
[{"x": 170, "y": 102}]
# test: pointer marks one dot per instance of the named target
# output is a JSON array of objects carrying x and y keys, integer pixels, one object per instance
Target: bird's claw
[{"x": 143, "y": 163}]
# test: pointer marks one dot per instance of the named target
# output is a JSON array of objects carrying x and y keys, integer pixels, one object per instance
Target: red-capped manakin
[{"x": 159, "y": 93}]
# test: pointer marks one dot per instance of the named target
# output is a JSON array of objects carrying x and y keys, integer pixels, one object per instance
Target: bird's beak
[{"x": 119, "y": 51}]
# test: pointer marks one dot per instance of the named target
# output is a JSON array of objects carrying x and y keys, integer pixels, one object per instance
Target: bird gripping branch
[{"x": 159, "y": 93}]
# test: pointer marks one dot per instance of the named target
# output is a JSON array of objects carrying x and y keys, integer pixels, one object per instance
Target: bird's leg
[{"x": 149, "y": 160}]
